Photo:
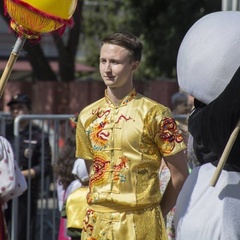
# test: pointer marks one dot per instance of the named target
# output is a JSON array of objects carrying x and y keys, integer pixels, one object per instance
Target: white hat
[{"x": 209, "y": 55}]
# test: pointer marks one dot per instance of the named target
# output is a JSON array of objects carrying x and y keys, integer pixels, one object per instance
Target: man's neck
[{"x": 117, "y": 95}]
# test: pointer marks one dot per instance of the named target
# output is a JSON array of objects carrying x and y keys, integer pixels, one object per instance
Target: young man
[
  {"x": 32, "y": 163},
  {"x": 127, "y": 135}
]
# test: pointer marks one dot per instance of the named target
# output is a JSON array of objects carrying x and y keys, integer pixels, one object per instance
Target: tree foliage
[{"x": 160, "y": 24}]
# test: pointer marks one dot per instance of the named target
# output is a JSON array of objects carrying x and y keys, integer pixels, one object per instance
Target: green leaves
[{"x": 160, "y": 24}]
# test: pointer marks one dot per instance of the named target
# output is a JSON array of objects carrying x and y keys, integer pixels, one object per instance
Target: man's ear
[{"x": 135, "y": 65}]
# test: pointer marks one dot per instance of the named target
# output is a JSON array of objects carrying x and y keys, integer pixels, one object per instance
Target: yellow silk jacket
[{"x": 126, "y": 144}]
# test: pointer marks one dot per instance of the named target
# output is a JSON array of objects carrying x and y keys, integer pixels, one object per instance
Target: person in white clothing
[
  {"x": 12, "y": 182},
  {"x": 208, "y": 68}
]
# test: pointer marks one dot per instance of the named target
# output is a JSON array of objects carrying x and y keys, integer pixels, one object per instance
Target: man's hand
[{"x": 29, "y": 172}]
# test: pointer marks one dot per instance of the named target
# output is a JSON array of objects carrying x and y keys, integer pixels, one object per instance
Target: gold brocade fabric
[
  {"x": 145, "y": 224},
  {"x": 127, "y": 142},
  {"x": 76, "y": 206},
  {"x": 86, "y": 147}
]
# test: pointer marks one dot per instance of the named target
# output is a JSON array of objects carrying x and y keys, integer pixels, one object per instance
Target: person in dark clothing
[{"x": 34, "y": 158}]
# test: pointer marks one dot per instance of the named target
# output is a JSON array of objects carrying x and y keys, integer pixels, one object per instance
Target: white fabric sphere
[{"x": 209, "y": 55}]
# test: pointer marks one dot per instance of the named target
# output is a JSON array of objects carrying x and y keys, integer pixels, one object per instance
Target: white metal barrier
[{"x": 47, "y": 224}]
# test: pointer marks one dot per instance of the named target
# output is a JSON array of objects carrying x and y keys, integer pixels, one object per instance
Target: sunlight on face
[{"x": 116, "y": 67}]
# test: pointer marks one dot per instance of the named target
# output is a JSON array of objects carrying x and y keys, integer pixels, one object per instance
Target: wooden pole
[
  {"x": 225, "y": 154},
  {"x": 11, "y": 61}
]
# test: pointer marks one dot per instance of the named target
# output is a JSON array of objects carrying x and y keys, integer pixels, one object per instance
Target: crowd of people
[{"x": 132, "y": 168}]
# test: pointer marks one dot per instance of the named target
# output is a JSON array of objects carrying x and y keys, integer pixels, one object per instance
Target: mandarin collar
[{"x": 128, "y": 98}]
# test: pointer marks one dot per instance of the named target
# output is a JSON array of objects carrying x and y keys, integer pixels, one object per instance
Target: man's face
[
  {"x": 17, "y": 109},
  {"x": 116, "y": 67}
]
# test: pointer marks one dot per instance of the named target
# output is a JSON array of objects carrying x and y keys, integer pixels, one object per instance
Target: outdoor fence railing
[{"x": 56, "y": 127}]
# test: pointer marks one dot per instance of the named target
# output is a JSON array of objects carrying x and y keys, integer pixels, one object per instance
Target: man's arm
[
  {"x": 177, "y": 165},
  {"x": 29, "y": 172}
]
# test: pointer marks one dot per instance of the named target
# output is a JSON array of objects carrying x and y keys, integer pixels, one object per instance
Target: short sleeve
[{"x": 167, "y": 135}]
